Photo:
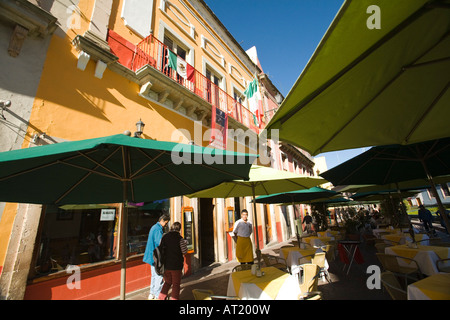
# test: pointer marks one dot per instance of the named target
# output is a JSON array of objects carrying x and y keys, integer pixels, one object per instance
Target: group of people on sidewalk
[{"x": 175, "y": 247}]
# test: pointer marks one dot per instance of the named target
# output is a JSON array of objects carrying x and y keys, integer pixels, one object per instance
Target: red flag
[{"x": 219, "y": 126}]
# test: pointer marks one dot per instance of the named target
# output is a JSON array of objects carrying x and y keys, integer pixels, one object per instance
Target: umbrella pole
[
  {"x": 442, "y": 211},
  {"x": 296, "y": 228},
  {"x": 402, "y": 207},
  {"x": 123, "y": 251},
  {"x": 258, "y": 251},
  {"x": 124, "y": 227}
]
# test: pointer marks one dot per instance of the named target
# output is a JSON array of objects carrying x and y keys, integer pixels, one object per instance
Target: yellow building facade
[{"x": 106, "y": 68}]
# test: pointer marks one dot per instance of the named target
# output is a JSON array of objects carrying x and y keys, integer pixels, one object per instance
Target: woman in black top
[{"x": 175, "y": 249}]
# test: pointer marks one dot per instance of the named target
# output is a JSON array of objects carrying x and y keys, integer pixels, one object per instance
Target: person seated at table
[{"x": 242, "y": 231}]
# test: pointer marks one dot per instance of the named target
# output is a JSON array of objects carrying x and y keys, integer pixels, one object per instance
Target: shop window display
[{"x": 87, "y": 235}]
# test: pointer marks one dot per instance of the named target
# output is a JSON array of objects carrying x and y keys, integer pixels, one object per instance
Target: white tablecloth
[
  {"x": 435, "y": 287},
  {"x": 294, "y": 254},
  {"x": 424, "y": 256},
  {"x": 249, "y": 290},
  {"x": 422, "y": 239}
]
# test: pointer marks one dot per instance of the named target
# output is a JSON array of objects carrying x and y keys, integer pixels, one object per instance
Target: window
[
  {"x": 237, "y": 96},
  {"x": 296, "y": 166},
  {"x": 284, "y": 162},
  {"x": 85, "y": 235},
  {"x": 179, "y": 50},
  {"x": 212, "y": 87},
  {"x": 445, "y": 190}
]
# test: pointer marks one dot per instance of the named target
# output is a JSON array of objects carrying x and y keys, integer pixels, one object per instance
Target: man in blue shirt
[{"x": 154, "y": 239}]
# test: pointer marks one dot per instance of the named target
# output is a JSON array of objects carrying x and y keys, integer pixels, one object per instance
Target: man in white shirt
[{"x": 242, "y": 231}]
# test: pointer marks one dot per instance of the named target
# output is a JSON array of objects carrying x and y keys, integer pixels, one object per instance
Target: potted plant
[{"x": 352, "y": 229}]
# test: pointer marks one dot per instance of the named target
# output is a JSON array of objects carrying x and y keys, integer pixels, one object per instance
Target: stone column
[{"x": 19, "y": 256}]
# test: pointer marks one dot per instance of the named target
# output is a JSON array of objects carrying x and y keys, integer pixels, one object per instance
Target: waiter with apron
[{"x": 242, "y": 231}]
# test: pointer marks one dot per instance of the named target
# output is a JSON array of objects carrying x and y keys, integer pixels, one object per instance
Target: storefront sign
[
  {"x": 188, "y": 227},
  {"x": 108, "y": 215}
]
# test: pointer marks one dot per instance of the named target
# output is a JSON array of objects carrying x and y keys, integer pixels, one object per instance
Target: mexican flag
[
  {"x": 253, "y": 95},
  {"x": 178, "y": 64}
]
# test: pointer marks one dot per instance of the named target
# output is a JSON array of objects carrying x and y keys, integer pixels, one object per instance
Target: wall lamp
[{"x": 139, "y": 129}]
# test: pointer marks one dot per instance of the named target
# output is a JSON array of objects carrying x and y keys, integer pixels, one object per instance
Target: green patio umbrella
[
  {"x": 263, "y": 181},
  {"x": 382, "y": 195},
  {"x": 298, "y": 196},
  {"x": 415, "y": 184},
  {"x": 395, "y": 163},
  {"x": 114, "y": 169},
  {"x": 366, "y": 86}
]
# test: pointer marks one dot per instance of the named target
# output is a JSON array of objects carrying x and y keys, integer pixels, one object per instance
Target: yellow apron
[{"x": 244, "y": 249}]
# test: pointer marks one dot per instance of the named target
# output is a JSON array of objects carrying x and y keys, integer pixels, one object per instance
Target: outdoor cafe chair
[
  {"x": 318, "y": 259},
  {"x": 205, "y": 294},
  {"x": 390, "y": 263},
  {"x": 392, "y": 285},
  {"x": 443, "y": 265},
  {"x": 309, "y": 278},
  {"x": 330, "y": 252},
  {"x": 381, "y": 246},
  {"x": 277, "y": 262},
  {"x": 438, "y": 242}
]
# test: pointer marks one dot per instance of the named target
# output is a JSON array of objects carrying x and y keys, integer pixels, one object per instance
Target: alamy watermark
[
  {"x": 374, "y": 20},
  {"x": 74, "y": 280},
  {"x": 181, "y": 153},
  {"x": 374, "y": 280}
]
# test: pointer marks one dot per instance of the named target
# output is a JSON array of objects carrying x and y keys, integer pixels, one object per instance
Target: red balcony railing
[{"x": 153, "y": 52}]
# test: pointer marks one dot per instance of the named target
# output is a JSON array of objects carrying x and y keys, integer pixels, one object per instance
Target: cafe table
[
  {"x": 349, "y": 252},
  {"x": 293, "y": 254},
  {"x": 328, "y": 233},
  {"x": 381, "y": 231},
  {"x": 403, "y": 238},
  {"x": 273, "y": 285},
  {"x": 435, "y": 287},
  {"x": 317, "y": 241},
  {"x": 425, "y": 256}
]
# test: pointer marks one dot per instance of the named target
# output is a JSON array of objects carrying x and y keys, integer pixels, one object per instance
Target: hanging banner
[{"x": 219, "y": 126}]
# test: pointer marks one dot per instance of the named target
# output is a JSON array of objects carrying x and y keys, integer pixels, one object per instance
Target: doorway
[{"x": 206, "y": 222}]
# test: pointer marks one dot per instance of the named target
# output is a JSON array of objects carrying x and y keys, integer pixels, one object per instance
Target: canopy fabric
[
  {"x": 306, "y": 195},
  {"x": 394, "y": 163},
  {"x": 92, "y": 171},
  {"x": 369, "y": 87},
  {"x": 416, "y": 184},
  {"x": 382, "y": 195},
  {"x": 264, "y": 180},
  {"x": 114, "y": 169}
]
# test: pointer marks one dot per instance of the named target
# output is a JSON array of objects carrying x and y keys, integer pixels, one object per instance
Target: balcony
[{"x": 193, "y": 93}]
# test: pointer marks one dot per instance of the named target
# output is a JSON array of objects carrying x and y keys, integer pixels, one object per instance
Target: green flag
[
  {"x": 252, "y": 88},
  {"x": 172, "y": 60}
]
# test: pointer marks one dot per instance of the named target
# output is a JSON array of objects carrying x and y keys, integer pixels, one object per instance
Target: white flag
[{"x": 181, "y": 67}]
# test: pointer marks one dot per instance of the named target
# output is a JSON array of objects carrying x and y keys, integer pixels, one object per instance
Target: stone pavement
[{"x": 343, "y": 287}]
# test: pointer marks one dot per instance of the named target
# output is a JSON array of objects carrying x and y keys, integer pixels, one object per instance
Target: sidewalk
[{"x": 343, "y": 287}]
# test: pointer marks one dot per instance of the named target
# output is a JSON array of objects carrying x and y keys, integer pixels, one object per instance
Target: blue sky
[{"x": 286, "y": 34}]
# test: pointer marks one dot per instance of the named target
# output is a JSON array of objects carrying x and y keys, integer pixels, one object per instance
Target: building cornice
[{"x": 37, "y": 21}]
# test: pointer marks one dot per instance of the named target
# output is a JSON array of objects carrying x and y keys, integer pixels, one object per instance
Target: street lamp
[{"x": 139, "y": 128}]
